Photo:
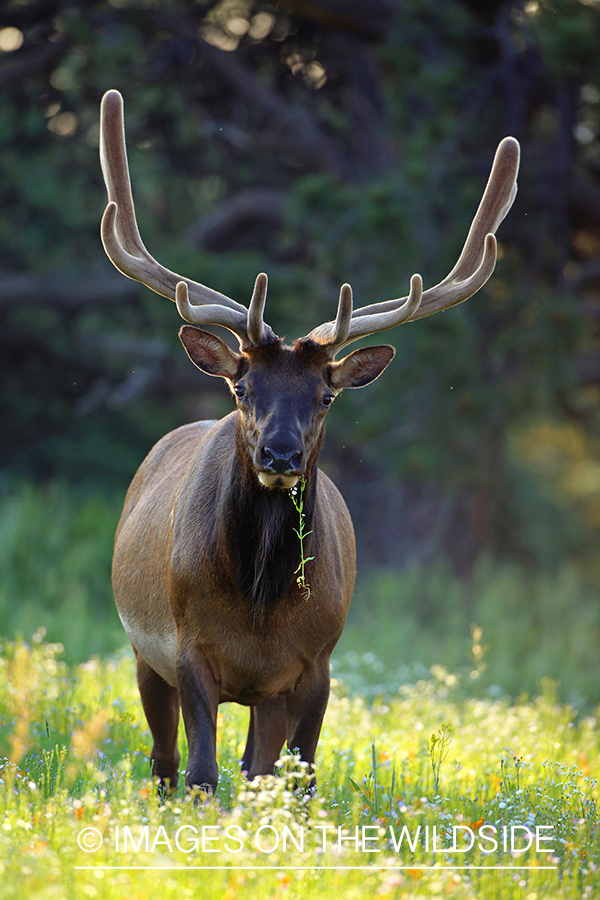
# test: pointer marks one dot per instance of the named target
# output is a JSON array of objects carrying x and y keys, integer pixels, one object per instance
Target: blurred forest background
[{"x": 321, "y": 141}]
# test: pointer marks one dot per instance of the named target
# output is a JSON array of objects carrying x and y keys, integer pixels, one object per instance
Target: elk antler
[
  {"x": 125, "y": 248},
  {"x": 475, "y": 265}
]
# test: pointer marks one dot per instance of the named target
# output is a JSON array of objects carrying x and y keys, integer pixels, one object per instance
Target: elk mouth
[{"x": 277, "y": 480}]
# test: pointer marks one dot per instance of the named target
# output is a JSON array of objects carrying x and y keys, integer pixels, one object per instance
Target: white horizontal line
[{"x": 318, "y": 868}]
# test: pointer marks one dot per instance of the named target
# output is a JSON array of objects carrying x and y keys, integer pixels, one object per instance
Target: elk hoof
[{"x": 200, "y": 793}]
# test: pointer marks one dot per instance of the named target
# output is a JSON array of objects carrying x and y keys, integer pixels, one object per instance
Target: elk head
[{"x": 283, "y": 392}]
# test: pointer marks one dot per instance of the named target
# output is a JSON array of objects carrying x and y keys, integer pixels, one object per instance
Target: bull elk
[{"x": 207, "y": 549}]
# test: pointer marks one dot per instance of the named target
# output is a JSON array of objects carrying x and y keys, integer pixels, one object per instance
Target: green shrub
[
  {"x": 55, "y": 552},
  {"x": 534, "y": 625}
]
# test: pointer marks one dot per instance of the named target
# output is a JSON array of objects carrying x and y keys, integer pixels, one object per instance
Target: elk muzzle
[{"x": 279, "y": 463}]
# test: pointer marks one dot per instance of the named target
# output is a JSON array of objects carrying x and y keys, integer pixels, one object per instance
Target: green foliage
[
  {"x": 568, "y": 32},
  {"x": 297, "y": 498},
  {"x": 535, "y": 625},
  {"x": 76, "y": 750},
  {"x": 55, "y": 551},
  {"x": 374, "y": 234},
  {"x": 439, "y": 747}
]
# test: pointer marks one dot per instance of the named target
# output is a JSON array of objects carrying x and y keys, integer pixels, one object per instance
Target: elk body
[{"x": 207, "y": 549}]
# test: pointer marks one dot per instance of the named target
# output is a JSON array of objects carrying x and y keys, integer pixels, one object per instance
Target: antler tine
[
  {"x": 256, "y": 326},
  {"x": 473, "y": 268},
  {"x": 333, "y": 335},
  {"x": 211, "y": 314},
  {"x": 125, "y": 248},
  {"x": 334, "y": 338},
  {"x": 341, "y": 326},
  {"x": 478, "y": 257}
]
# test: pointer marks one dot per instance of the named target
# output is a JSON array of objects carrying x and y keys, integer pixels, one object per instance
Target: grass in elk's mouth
[
  {"x": 80, "y": 814},
  {"x": 297, "y": 495}
]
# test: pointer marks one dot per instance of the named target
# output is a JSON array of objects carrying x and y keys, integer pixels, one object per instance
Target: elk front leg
[
  {"x": 161, "y": 706},
  {"x": 305, "y": 707},
  {"x": 266, "y": 737},
  {"x": 199, "y": 697}
]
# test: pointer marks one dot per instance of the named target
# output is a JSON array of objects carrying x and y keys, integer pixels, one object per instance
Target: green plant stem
[{"x": 297, "y": 495}]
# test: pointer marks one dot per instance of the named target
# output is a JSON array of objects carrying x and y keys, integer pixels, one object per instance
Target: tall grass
[
  {"x": 76, "y": 776},
  {"x": 418, "y": 750},
  {"x": 506, "y": 628},
  {"x": 55, "y": 554}
]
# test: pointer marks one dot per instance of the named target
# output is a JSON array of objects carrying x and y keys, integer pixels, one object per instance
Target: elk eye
[
  {"x": 239, "y": 392},
  {"x": 327, "y": 400}
]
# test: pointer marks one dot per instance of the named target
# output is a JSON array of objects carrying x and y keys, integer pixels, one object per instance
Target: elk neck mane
[{"x": 260, "y": 533}]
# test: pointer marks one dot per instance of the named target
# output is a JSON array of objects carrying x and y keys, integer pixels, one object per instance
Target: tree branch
[
  {"x": 369, "y": 20},
  {"x": 68, "y": 294},
  {"x": 298, "y": 124},
  {"x": 242, "y": 213}
]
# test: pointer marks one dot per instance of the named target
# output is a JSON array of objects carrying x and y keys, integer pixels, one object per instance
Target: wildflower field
[{"x": 421, "y": 776}]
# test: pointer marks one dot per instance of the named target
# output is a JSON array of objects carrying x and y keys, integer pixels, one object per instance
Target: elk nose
[{"x": 281, "y": 461}]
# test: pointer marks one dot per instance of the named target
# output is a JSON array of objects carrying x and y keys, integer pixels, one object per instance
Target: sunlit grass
[{"x": 76, "y": 751}]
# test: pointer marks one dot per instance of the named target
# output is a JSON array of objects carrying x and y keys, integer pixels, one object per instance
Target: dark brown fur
[{"x": 204, "y": 569}]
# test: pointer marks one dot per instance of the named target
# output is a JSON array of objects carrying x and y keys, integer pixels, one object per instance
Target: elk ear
[
  {"x": 209, "y": 352},
  {"x": 361, "y": 367}
]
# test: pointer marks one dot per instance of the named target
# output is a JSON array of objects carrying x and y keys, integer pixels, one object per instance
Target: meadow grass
[
  {"x": 55, "y": 551},
  {"x": 76, "y": 746},
  {"x": 55, "y": 554},
  {"x": 407, "y": 742},
  {"x": 506, "y": 626}
]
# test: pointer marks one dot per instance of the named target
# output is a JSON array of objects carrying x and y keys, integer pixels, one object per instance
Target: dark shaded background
[{"x": 320, "y": 142}]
